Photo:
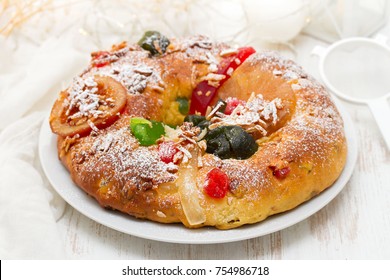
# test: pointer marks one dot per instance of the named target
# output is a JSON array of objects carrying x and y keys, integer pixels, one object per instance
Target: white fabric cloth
[
  {"x": 28, "y": 229},
  {"x": 30, "y": 79}
]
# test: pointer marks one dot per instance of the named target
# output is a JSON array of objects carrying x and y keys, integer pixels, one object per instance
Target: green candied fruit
[
  {"x": 183, "y": 105},
  {"x": 147, "y": 132},
  {"x": 154, "y": 42},
  {"x": 230, "y": 142}
]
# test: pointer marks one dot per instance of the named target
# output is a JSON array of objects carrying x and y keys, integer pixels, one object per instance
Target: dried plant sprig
[{"x": 16, "y": 12}]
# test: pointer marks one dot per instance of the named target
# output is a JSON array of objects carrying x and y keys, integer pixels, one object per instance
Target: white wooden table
[{"x": 355, "y": 225}]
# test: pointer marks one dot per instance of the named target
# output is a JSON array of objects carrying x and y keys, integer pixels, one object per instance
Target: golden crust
[{"x": 308, "y": 138}]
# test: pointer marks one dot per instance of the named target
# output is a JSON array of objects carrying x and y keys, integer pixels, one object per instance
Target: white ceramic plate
[{"x": 176, "y": 233}]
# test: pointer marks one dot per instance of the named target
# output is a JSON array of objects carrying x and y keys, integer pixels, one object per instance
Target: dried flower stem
[{"x": 19, "y": 11}]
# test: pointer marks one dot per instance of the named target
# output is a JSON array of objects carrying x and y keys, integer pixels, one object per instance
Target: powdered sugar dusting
[
  {"x": 132, "y": 71},
  {"x": 270, "y": 110},
  {"x": 309, "y": 135},
  {"x": 256, "y": 115},
  {"x": 83, "y": 97},
  {"x": 116, "y": 156},
  {"x": 279, "y": 66},
  {"x": 198, "y": 41},
  {"x": 134, "y": 78},
  {"x": 104, "y": 58},
  {"x": 241, "y": 173},
  {"x": 213, "y": 79},
  {"x": 202, "y": 49}
]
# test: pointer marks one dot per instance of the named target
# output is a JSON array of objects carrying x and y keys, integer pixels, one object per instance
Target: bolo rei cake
[{"x": 196, "y": 132}]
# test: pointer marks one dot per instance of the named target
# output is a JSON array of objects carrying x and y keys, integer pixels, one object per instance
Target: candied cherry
[
  {"x": 100, "y": 55},
  {"x": 216, "y": 183},
  {"x": 280, "y": 173},
  {"x": 231, "y": 104},
  {"x": 167, "y": 151}
]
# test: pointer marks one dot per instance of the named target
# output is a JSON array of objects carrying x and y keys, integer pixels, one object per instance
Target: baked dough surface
[{"x": 302, "y": 131}]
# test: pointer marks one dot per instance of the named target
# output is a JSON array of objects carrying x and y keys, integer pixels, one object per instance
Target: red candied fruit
[
  {"x": 231, "y": 104},
  {"x": 280, "y": 173},
  {"x": 100, "y": 55},
  {"x": 204, "y": 93},
  {"x": 216, "y": 183},
  {"x": 167, "y": 151}
]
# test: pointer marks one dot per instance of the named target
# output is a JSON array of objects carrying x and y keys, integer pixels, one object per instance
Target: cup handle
[{"x": 381, "y": 112}]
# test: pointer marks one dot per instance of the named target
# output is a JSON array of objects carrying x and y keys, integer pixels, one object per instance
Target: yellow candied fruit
[
  {"x": 103, "y": 186},
  {"x": 172, "y": 115},
  {"x": 307, "y": 166},
  {"x": 293, "y": 82},
  {"x": 103, "y": 190},
  {"x": 262, "y": 140}
]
